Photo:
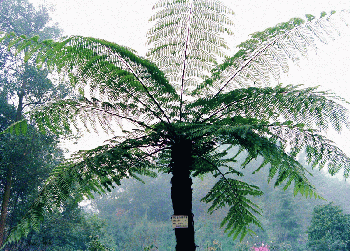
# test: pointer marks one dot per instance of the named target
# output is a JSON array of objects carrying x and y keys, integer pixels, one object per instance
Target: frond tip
[
  {"x": 233, "y": 193},
  {"x": 18, "y": 128}
]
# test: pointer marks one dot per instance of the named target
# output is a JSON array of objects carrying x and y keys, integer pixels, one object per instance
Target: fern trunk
[{"x": 181, "y": 192}]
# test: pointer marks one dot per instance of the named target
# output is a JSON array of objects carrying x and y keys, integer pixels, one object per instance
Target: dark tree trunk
[
  {"x": 20, "y": 105},
  {"x": 181, "y": 192},
  {"x": 4, "y": 204},
  {"x": 7, "y": 192}
]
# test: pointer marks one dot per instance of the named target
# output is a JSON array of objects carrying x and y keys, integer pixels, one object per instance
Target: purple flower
[{"x": 262, "y": 248}]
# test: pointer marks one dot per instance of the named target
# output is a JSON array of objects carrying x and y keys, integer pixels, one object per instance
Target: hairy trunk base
[{"x": 181, "y": 193}]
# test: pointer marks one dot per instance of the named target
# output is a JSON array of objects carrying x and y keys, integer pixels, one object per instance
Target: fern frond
[
  {"x": 303, "y": 105},
  {"x": 19, "y": 127},
  {"x": 92, "y": 171},
  {"x": 185, "y": 32},
  {"x": 182, "y": 28},
  {"x": 287, "y": 114},
  {"x": 106, "y": 68},
  {"x": 320, "y": 151},
  {"x": 283, "y": 166},
  {"x": 63, "y": 116},
  {"x": 233, "y": 193},
  {"x": 268, "y": 52}
]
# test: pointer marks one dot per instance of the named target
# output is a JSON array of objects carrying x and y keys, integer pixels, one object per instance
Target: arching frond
[
  {"x": 183, "y": 27},
  {"x": 314, "y": 108},
  {"x": 62, "y": 116},
  {"x": 284, "y": 114},
  {"x": 112, "y": 72},
  {"x": 261, "y": 58},
  {"x": 19, "y": 127},
  {"x": 321, "y": 152},
  {"x": 234, "y": 194},
  {"x": 258, "y": 138},
  {"x": 284, "y": 167},
  {"x": 90, "y": 171}
]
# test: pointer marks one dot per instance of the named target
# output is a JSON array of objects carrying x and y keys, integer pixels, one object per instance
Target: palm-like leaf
[
  {"x": 186, "y": 41},
  {"x": 186, "y": 38}
]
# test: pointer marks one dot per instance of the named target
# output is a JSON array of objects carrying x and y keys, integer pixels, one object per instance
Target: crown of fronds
[{"x": 232, "y": 107}]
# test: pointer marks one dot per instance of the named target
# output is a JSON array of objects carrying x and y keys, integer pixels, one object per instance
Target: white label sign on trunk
[{"x": 179, "y": 221}]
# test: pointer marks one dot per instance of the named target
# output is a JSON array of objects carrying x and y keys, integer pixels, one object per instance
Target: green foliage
[
  {"x": 21, "y": 17},
  {"x": 329, "y": 229},
  {"x": 24, "y": 80},
  {"x": 191, "y": 31},
  {"x": 67, "y": 229},
  {"x": 233, "y": 193},
  {"x": 32, "y": 157},
  {"x": 76, "y": 179},
  {"x": 17, "y": 128},
  {"x": 287, "y": 223},
  {"x": 171, "y": 101},
  {"x": 27, "y": 156},
  {"x": 263, "y": 57}
]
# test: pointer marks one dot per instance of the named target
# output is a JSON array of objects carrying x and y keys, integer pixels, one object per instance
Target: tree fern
[{"x": 182, "y": 118}]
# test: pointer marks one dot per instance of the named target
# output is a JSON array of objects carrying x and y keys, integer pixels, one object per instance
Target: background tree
[
  {"x": 181, "y": 122},
  {"x": 34, "y": 155},
  {"x": 25, "y": 86},
  {"x": 69, "y": 228},
  {"x": 329, "y": 229}
]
